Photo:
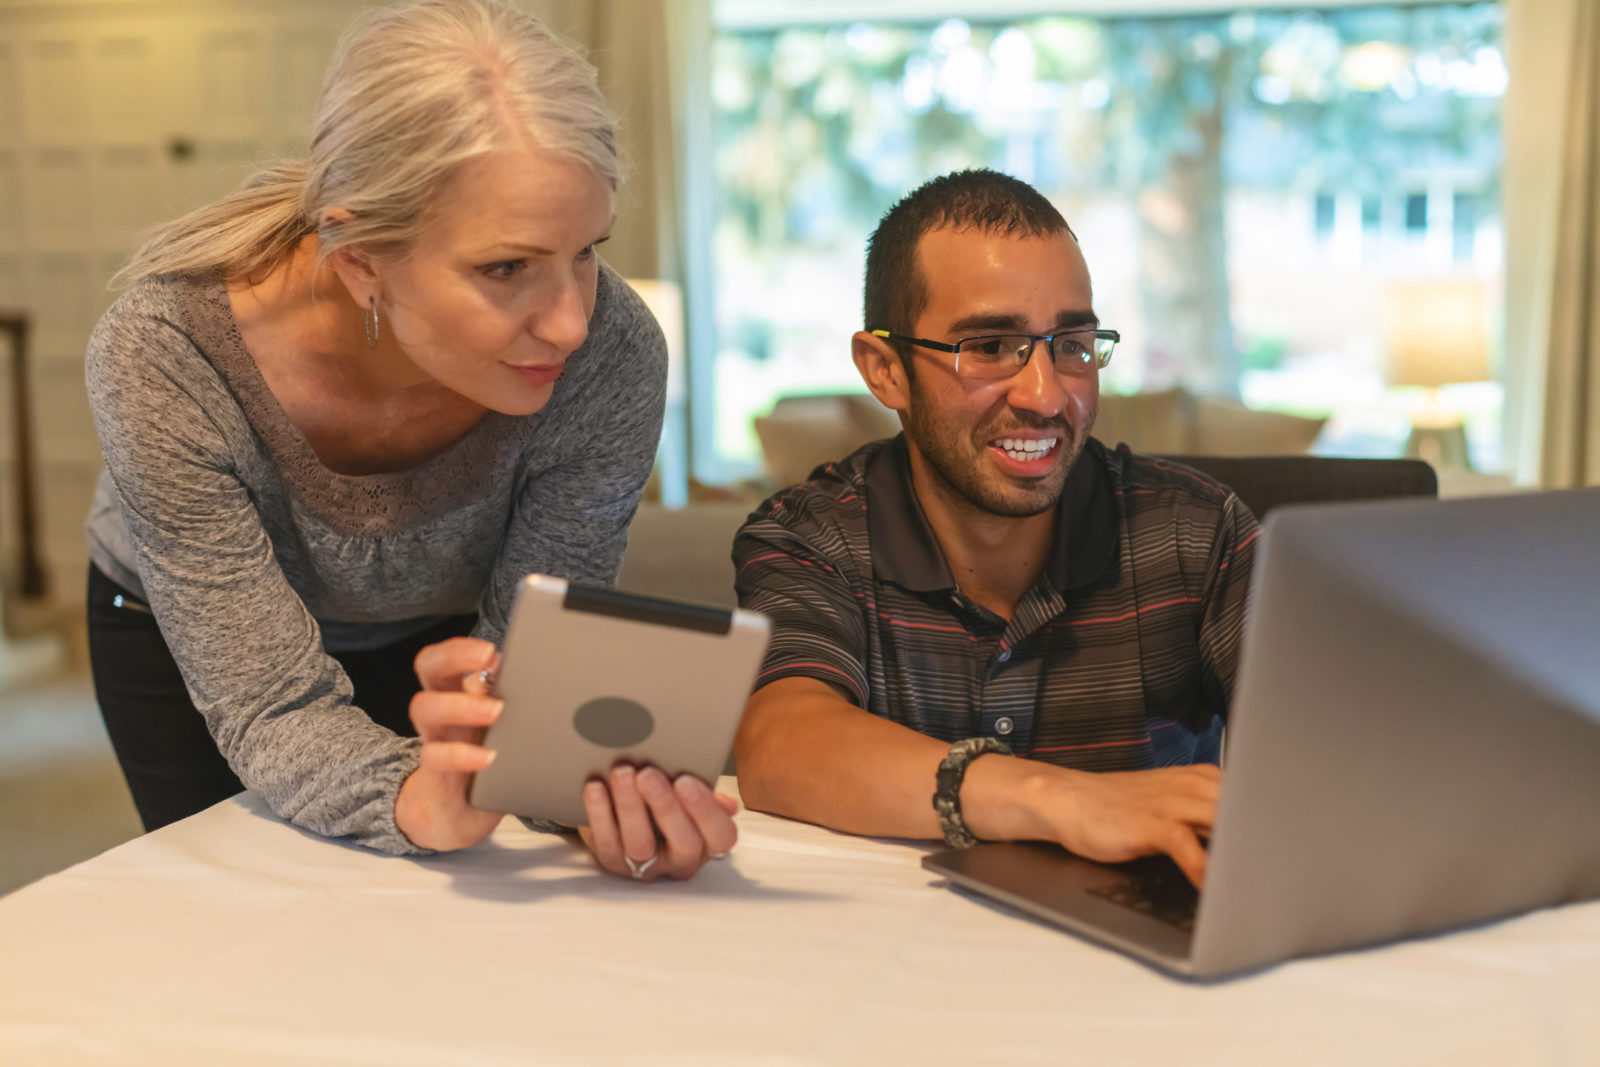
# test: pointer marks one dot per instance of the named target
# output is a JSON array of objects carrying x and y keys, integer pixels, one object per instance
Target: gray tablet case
[{"x": 593, "y": 676}]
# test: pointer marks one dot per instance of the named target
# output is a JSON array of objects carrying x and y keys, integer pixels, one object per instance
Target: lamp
[
  {"x": 665, "y": 301},
  {"x": 1436, "y": 332}
]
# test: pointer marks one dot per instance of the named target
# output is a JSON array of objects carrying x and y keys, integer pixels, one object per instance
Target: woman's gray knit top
[{"x": 257, "y": 559}]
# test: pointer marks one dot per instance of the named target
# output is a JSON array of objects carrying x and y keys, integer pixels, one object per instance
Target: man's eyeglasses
[{"x": 996, "y": 356}]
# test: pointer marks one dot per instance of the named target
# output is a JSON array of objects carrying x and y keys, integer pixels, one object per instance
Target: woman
[{"x": 344, "y": 410}]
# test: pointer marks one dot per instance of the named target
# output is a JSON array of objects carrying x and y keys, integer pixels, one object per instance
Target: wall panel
[
  {"x": 10, "y": 201},
  {"x": 59, "y": 214},
  {"x": 10, "y": 92},
  {"x": 54, "y": 94}
]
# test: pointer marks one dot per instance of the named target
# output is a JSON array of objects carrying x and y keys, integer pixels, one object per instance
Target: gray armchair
[{"x": 683, "y": 553}]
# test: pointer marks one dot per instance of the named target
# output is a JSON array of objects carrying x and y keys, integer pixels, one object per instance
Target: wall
[{"x": 115, "y": 116}]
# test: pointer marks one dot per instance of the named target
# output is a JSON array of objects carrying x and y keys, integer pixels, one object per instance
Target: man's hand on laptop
[
  {"x": 808, "y": 753},
  {"x": 1108, "y": 817}
]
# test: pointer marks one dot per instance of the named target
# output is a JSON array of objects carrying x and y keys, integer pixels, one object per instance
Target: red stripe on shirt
[
  {"x": 820, "y": 666},
  {"x": 926, "y": 626},
  {"x": 1207, "y": 482},
  {"x": 1145, "y": 740},
  {"x": 1137, "y": 611},
  {"x": 784, "y": 555}
]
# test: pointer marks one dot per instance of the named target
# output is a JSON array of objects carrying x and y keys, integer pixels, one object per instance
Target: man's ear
[
  {"x": 882, "y": 369},
  {"x": 355, "y": 268}
]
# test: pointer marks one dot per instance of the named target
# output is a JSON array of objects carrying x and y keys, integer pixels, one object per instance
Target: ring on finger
[
  {"x": 636, "y": 868},
  {"x": 716, "y": 855}
]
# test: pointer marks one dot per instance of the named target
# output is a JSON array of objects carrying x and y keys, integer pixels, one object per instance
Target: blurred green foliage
[
  {"x": 819, "y": 123},
  {"x": 820, "y": 128}
]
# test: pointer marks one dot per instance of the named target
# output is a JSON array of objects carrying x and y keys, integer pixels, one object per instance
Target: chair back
[
  {"x": 1266, "y": 482},
  {"x": 804, "y": 432},
  {"x": 683, "y": 553}
]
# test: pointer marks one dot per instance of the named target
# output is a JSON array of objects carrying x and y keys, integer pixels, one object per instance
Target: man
[{"x": 994, "y": 580}]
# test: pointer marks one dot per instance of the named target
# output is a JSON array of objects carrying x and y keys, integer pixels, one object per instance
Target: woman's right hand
[
  {"x": 432, "y": 808},
  {"x": 645, "y": 825}
]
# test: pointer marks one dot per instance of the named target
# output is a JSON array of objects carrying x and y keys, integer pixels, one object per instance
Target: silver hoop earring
[{"x": 372, "y": 322}]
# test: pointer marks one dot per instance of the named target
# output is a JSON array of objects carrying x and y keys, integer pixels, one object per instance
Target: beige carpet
[{"x": 62, "y": 798}]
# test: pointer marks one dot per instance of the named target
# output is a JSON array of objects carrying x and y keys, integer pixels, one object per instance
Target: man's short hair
[{"x": 896, "y": 290}]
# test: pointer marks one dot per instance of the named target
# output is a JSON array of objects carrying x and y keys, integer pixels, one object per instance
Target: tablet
[{"x": 592, "y": 676}]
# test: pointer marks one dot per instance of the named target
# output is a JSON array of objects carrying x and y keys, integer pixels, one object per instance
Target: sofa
[{"x": 803, "y": 432}]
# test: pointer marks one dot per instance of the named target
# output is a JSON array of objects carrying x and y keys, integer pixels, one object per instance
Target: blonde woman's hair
[{"x": 414, "y": 90}]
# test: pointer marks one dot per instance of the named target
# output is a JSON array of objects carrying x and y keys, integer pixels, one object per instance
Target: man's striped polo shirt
[{"x": 1122, "y": 655}]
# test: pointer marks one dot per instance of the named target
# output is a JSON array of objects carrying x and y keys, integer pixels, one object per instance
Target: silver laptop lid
[{"x": 1416, "y": 727}]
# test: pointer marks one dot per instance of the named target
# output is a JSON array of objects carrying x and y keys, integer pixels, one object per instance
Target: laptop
[{"x": 1413, "y": 745}]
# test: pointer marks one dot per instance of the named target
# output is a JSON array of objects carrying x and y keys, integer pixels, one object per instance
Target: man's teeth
[{"x": 1021, "y": 448}]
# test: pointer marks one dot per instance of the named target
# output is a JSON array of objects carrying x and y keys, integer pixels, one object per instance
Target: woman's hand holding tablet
[
  {"x": 431, "y": 808},
  {"x": 641, "y": 824}
]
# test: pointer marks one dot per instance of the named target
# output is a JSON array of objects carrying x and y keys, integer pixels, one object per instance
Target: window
[
  {"x": 1417, "y": 213},
  {"x": 1326, "y": 206},
  {"x": 1464, "y": 227},
  {"x": 1245, "y": 185}
]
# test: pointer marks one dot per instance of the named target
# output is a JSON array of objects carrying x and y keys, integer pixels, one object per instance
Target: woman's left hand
[
  {"x": 450, "y": 715},
  {"x": 629, "y": 807}
]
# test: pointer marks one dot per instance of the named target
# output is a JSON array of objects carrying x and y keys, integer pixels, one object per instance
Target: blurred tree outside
[{"x": 1169, "y": 144}]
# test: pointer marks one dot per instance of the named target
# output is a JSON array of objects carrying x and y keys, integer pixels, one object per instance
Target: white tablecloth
[{"x": 233, "y": 938}]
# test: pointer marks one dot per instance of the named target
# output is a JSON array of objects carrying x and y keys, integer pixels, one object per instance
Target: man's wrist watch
[{"x": 947, "y": 787}]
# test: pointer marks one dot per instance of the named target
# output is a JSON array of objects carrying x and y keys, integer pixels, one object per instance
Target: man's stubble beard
[{"x": 941, "y": 447}]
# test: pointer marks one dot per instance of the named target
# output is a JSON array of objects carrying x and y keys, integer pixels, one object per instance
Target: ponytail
[{"x": 254, "y": 227}]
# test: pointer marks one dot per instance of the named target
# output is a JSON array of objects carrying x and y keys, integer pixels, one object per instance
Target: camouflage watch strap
[{"x": 947, "y": 787}]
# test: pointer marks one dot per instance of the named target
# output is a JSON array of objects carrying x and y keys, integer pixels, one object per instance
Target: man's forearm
[{"x": 807, "y": 753}]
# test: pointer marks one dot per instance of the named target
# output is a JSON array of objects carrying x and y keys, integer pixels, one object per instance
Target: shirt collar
[{"x": 905, "y": 550}]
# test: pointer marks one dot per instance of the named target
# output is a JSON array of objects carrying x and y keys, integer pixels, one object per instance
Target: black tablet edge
[{"x": 654, "y": 610}]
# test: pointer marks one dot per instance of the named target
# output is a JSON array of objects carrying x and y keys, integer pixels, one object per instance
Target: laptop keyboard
[{"x": 1157, "y": 889}]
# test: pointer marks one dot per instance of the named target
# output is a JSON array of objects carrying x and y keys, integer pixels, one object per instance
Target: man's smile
[{"x": 1029, "y": 455}]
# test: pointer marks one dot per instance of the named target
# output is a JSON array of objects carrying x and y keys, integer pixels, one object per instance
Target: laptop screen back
[{"x": 1415, "y": 737}]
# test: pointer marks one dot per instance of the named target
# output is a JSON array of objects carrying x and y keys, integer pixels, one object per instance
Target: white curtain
[
  {"x": 627, "y": 41},
  {"x": 653, "y": 59},
  {"x": 1552, "y": 217}
]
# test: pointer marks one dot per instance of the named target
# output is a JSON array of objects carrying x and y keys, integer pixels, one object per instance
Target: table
[{"x": 234, "y": 938}]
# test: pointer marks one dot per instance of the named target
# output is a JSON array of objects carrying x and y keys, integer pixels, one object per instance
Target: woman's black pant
[{"x": 167, "y": 755}]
